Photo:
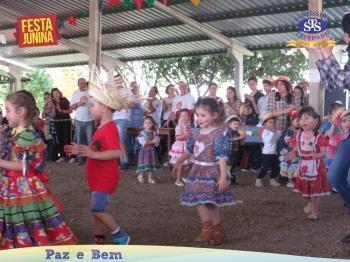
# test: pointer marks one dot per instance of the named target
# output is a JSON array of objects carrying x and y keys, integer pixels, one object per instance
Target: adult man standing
[
  {"x": 83, "y": 122},
  {"x": 255, "y": 95},
  {"x": 333, "y": 77},
  {"x": 262, "y": 102},
  {"x": 184, "y": 100},
  {"x": 122, "y": 120}
]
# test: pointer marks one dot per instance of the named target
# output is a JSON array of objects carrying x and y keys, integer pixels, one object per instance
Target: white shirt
[
  {"x": 124, "y": 114},
  {"x": 156, "y": 115},
  {"x": 82, "y": 113},
  {"x": 270, "y": 141},
  {"x": 181, "y": 102},
  {"x": 262, "y": 105}
]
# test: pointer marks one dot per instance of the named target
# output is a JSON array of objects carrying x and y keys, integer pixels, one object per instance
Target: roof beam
[
  {"x": 85, "y": 49},
  {"x": 209, "y": 18},
  {"x": 178, "y": 40},
  {"x": 206, "y": 29}
]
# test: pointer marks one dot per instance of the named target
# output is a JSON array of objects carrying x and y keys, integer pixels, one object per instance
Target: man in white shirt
[
  {"x": 262, "y": 102},
  {"x": 83, "y": 122},
  {"x": 184, "y": 100},
  {"x": 122, "y": 120}
]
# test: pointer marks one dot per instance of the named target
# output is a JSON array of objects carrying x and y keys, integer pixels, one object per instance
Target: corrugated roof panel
[
  {"x": 15, "y": 50},
  {"x": 168, "y": 49},
  {"x": 209, "y": 7},
  {"x": 55, "y": 60},
  {"x": 147, "y": 35}
]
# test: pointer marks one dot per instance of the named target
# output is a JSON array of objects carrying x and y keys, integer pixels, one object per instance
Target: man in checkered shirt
[{"x": 333, "y": 77}]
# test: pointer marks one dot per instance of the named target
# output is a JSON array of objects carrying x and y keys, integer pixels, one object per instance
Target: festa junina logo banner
[
  {"x": 37, "y": 30},
  {"x": 312, "y": 31}
]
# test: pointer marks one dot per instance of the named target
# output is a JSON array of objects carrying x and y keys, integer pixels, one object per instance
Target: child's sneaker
[
  {"x": 121, "y": 238},
  {"x": 100, "y": 239},
  {"x": 73, "y": 160},
  {"x": 290, "y": 184},
  {"x": 151, "y": 180},
  {"x": 178, "y": 182},
  {"x": 273, "y": 182},
  {"x": 259, "y": 182}
]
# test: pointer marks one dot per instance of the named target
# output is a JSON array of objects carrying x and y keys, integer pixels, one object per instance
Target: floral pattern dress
[
  {"x": 28, "y": 212},
  {"x": 201, "y": 185},
  {"x": 148, "y": 158},
  {"x": 312, "y": 173},
  {"x": 182, "y": 133}
]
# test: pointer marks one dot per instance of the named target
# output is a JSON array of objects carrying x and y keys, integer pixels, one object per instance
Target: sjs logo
[{"x": 312, "y": 25}]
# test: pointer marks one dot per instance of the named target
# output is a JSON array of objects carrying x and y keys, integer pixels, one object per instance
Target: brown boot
[
  {"x": 206, "y": 233},
  {"x": 219, "y": 235}
]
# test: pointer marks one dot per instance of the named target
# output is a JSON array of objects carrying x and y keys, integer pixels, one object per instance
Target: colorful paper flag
[
  {"x": 72, "y": 20},
  {"x": 83, "y": 14},
  {"x": 196, "y": 2},
  {"x": 139, "y": 3},
  {"x": 113, "y": 2},
  {"x": 150, "y": 3},
  {"x": 165, "y": 2},
  {"x": 127, "y": 3},
  {"x": 61, "y": 24}
]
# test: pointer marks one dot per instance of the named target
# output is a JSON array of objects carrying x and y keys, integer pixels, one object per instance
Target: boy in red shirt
[{"x": 102, "y": 166}]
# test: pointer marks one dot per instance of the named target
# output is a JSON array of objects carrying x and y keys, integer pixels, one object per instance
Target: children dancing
[
  {"x": 28, "y": 213},
  {"x": 102, "y": 168},
  {"x": 311, "y": 147},
  {"x": 148, "y": 159},
  {"x": 206, "y": 186}
]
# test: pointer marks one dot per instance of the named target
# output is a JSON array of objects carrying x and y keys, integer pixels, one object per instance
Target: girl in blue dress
[{"x": 207, "y": 185}]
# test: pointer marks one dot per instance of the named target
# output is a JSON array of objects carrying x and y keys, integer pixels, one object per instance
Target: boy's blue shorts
[{"x": 99, "y": 202}]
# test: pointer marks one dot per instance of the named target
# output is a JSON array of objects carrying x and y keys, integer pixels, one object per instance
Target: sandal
[
  {"x": 307, "y": 210},
  {"x": 312, "y": 217},
  {"x": 140, "y": 179}
]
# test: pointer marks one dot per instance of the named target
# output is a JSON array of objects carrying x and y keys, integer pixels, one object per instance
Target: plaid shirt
[
  {"x": 233, "y": 145},
  {"x": 332, "y": 76},
  {"x": 137, "y": 116},
  {"x": 275, "y": 105}
]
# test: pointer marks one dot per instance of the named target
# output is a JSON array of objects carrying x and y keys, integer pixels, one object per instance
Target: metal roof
[{"x": 150, "y": 34}]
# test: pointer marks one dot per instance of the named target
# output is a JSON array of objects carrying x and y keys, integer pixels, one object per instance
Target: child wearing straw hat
[
  {"x": 102, "y": 166},
  {"x": 269, "y": 155}
]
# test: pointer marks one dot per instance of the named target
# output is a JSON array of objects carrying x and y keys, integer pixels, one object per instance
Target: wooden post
[
  {"x": 94, "y": 34},
  {"x": 237, "y": 59},
  {"x": 316, "y": 99},
  {"x": 16, "y": 72}
]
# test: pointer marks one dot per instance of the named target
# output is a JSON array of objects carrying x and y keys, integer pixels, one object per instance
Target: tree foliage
[
  {"x": 40, "y": 82},
  {"x": 201, "y": 70}
]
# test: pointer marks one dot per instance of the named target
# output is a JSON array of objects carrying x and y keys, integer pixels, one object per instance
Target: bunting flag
[
  {"x": 114, "y": 2},
  {"x": 139, "y": 3},
  {"x": 72, "y": 20},
  {"x": 196, "y": 2},
  {"x": 127, "y": 3},
  {"x": 61, "y": 24},
  {"x": 15, "y": 36},
  {"x": 165, "y": 2},
  {"x": 150, "y": 3},
  {"x": 83, "y": 14}
]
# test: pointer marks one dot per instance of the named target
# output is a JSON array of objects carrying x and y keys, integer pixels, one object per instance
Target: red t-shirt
[{"x": 103, "y": 175}]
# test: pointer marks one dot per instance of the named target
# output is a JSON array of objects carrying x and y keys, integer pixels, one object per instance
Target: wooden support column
[
  {"x": 94, "y": 34},
  {"x": 316, "y": 99},
  {"x": 16, "y": 72},
  {"x": 237, "y": 59}
]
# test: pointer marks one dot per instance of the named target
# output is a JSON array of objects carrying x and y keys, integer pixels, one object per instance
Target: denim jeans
[
  {"x": 83, "y": 133},
  {"x": 339, "y": 171}
]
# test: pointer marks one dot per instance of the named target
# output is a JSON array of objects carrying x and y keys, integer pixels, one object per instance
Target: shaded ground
[{"x": 269, "y": 220}]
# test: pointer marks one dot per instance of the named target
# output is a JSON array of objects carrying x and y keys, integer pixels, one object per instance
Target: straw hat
[
  {"x": 282, "y": 78},
  {"x": 228, "y": 120},
  {"x": 116, "y": 97},
  {"x": 268, "y": 116}
]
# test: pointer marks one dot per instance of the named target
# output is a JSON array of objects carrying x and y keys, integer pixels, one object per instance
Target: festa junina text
[{"x": 37, "y": 31}]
